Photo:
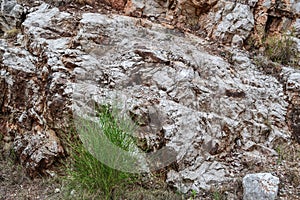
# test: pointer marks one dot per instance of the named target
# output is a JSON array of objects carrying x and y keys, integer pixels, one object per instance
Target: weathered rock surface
[
  {"x": 221, "y": 118},
  {"x": 221, "y": 20},
  {"x": 31, "y": 91},
  {"x": 261, "y": 186},
  {"x": 11, "y": 15},
  {"x": 292, "y": 90}
]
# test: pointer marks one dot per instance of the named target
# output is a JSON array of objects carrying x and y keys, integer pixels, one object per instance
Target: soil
[{"x": 16, "y": 185}]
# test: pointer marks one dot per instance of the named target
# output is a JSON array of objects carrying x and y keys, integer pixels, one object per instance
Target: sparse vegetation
[
  {"x": 217, "y": 195},
  {"x": 83, "y": 176},
  {"x": 10, "y": 34},
  {"x": 289, "y": 153},
  {"x": 86, "y": 171},
  {"x": 193, "y": 194},
  {"x": 280, "y": 154},
  {"x": 281, "y": 49}
]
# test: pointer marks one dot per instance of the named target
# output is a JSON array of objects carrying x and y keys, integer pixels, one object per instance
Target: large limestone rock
[
  {"x": 261, "y": 186},
  {"x": 33, "y": 101},
  {"x": 221, "y": 20},
  {"x": 218, "y": 117}
]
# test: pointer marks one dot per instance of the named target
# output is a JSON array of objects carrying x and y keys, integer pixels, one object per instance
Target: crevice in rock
[
  {"x": 22, "y": 19},
  {"x": 293, "y": 98},
  {"x": 3, "y": 88},
  {"x": 293, "y": 116},
  {"x": 269, "y": 23}
]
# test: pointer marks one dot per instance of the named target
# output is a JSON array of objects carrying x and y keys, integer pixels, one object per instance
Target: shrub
[
  {"x": 86, "y": 171},
  {"x": 281, "y": 49}
]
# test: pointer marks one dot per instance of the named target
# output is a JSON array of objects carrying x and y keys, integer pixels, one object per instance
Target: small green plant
[
  {"x": 280, "y": 154},
  {"x": 281, "y": 49},
  {"x": 217, "y": 195},
  {"x": 193, "y": 194},
  {"x": 12, "y": 33},
  {"x": 86, "y": 171}
]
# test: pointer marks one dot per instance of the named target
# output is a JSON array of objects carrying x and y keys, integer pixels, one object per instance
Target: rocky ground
[
  {"x": 225, "y": 111},
  {"x": 15, "y": 184}
]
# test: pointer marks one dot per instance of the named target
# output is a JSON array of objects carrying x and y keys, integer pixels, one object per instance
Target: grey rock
[
  {"x": 220, "y": 20},
  {"x": 7, "y": 5},
  {"x": 235, "y": 21},
  {"x": 237, "y": 41},
  {"x": 261, "y": 186},
  {"x": 295, "y": 6},
  {"x": 199, "y": 93},
  {"x": 190, "y": 101},
  {"x": 296, "y": 27},
  {"x": 267, "y": 3},
  {"x": 10, "y": 15},
  {"x": 293, "y": 82}
]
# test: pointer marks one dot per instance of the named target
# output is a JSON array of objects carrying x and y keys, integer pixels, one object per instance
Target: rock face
[
  {"x": 262, "y": 186},
  {"x": 218, "y": 110},
  {"x": 11, "y": 15},
  {"x": 221, "y": 20},
  {"x": 31, "y": 90},
  {"x": 293, "y": 115}
]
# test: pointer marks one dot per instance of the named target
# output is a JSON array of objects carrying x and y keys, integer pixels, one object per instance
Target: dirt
[{"x": 15, "y": 184}]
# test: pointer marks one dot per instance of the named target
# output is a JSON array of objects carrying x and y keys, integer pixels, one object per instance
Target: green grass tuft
[
  {"x": 282, "y": 50},
  {"x": 86, "y": 171}
]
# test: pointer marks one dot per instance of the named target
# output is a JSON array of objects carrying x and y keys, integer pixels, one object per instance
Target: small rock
[
  {"x": 72, "y": 193},
  {"x": 260, "y": 186},
  {"x": 237, "y": 41}
]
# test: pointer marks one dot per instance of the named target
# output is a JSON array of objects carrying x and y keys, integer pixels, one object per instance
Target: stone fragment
[
  {"x": 38, "y": 150},
  {"x": 260, "y": 186},
  {"x": 237, "y": 41}
]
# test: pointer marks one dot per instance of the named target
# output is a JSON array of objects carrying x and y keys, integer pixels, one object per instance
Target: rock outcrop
[
  {"x": 11, "y": 15},
  {"x": 222, "y": 113},
  {"x": 222, "y": 20}
]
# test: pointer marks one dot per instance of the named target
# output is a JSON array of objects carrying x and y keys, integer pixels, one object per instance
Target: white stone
[
  {"x": 237, "y": 41},
  {"x": 260, "y": 186}
]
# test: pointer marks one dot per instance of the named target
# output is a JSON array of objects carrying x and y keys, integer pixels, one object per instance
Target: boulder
[{"x": 260, "y": 186}]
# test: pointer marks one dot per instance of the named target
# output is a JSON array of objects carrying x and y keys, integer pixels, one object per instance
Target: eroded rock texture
[
  {"x": 11, "y": 15},
  {"x": 220, "y": 117},
  {"x": 222, "y": 20},
  {"x": 260, "y": 186}
]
